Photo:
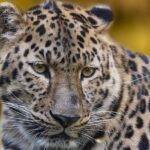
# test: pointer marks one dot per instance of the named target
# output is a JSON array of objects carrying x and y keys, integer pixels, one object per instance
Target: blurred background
[{"x": 131, "y": 26}]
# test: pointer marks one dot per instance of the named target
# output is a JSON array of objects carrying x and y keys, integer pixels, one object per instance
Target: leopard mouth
[
  {"x": 62, "y": 138},
  {"x": 62, "y": 135},
  {"x": 60, "y": 141}
]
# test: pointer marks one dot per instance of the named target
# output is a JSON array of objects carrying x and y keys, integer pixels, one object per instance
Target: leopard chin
[
  {"x": 57, "y": 142},
  {"x": 61, "y": 141}
]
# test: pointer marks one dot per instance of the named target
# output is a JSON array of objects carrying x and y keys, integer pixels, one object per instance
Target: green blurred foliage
[{"x": 131, "y": 22}]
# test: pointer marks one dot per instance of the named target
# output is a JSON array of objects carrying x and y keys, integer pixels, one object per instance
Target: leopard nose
[{"x": 65, "y": 120}]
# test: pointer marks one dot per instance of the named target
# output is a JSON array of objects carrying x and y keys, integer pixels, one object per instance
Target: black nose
[{"x": 64, "y": 120}]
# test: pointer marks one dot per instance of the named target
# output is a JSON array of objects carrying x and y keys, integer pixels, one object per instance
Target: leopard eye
[
  {"x": 39, "y": 68},
  {"x": 88, "y": 72}
]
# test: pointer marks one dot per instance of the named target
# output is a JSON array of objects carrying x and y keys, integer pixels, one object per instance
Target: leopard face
[{"x": 57, "y": 75}]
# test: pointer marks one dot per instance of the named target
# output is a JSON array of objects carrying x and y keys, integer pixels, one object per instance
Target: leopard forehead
[{"x": 59, "y": 35}]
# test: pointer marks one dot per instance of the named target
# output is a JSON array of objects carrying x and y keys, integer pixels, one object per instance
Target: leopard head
[{"x": 58, "y": 78}]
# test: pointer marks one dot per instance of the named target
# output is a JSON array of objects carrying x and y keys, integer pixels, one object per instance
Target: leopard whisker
[
  {"x": 11, "y": 93},
  {"x": 105, "y": 112},
  {"x": 20, "y": 120},
  {"x": 100, "y": 120},
  {"x": 144, "y": 76},
  {"x": 20, "y": 109},
  {"x": 88, "y": 137},
  {"x": 91, "y": 129}
]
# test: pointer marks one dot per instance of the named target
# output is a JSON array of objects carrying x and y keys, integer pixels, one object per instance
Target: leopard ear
[
  {"x": 11, "y": 22},
  {"x": 100, "y": 17}
]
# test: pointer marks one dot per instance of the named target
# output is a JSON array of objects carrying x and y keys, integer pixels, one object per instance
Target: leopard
[{"x": 65, "y": 84}]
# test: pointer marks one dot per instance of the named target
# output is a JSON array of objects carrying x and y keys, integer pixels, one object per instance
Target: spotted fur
[{"x": 61, "y": 108}]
